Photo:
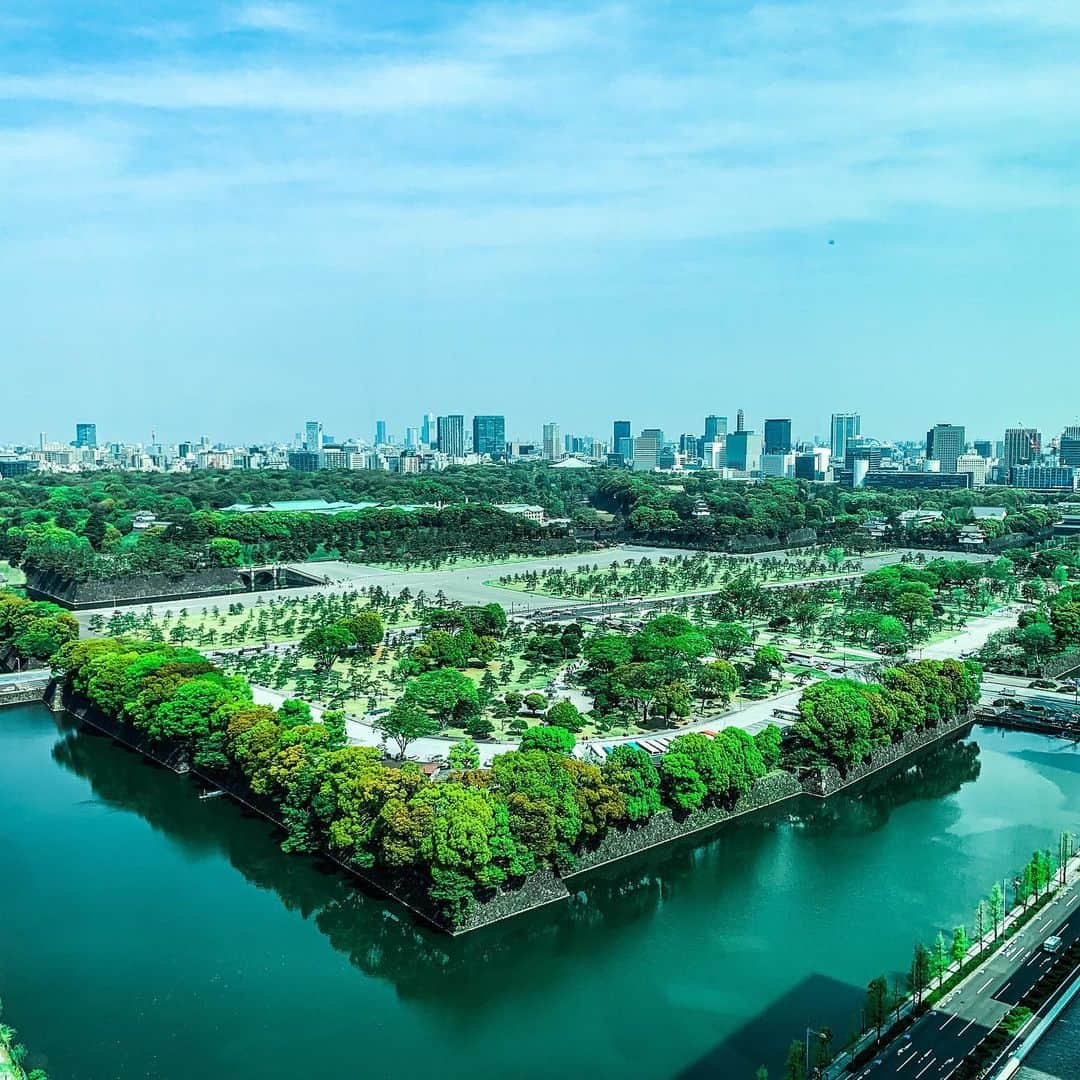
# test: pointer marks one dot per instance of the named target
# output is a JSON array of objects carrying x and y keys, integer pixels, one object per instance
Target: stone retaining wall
[{"x": 825, "y": 782}]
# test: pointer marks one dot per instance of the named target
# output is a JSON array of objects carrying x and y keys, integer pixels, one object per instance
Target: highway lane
[{"x": 934, "y": 1047}]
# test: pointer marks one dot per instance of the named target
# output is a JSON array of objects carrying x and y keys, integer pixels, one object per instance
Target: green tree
[
  {"x": 681, "y": 784},
  {"x": 326, "y": 644},
  {"x": 729, "y": 639},
  {"x": 464, "y": 756},
  {"x": 554, "y": 740},
  {"x": 565, "y": 714},
  {"x": 996, "y": 907},
  {"x": 718, "y": 679},
  {"x": 366, "y": 628},
  {"x": 630, "y": 770},
  {"x": 405, "y": 723},
  {"x": 940, "y": 957},
  {"x": 877, "y": 1003},
  {"x": 960, "y": 945},
  {"x": 795, "y": 1065},
  {"x": 919, "y": 973}
]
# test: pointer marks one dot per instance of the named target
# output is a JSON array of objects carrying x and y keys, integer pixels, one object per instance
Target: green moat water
[{"x": 145, "y": 933}]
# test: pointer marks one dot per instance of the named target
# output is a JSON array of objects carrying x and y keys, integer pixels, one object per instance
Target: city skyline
[{"x": 280, "y": 205}]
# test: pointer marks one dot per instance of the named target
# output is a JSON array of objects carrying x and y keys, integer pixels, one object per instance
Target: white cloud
[
  {"x": 383, "y": 87},
  {"x": 280, "y": 18}
]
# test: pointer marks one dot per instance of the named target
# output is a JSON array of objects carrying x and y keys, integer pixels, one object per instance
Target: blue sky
[{"x": 226, "y": 218}]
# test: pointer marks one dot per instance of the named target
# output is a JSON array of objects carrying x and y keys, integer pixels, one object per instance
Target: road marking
[
  {"x": 928, "y": 1065},
  {"x": 985, "y": 985},
  {"x": 1073, "y": 899},
  {"x": 952, "y": 1017},
  {"x": 1005, "y": 987},
  {"x": 966, "y": 1026}
]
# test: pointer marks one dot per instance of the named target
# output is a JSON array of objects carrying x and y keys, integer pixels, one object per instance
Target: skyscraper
[
  {"x": 622, "y": 441},
  {"x": 380, "y": 433},
  {"x": 945, "y": 443},
  {"x": 86, "y": 436},
  {"x": 984, "y": 448},
  {"x": 1069, "y": 447},
  {"x": 647, "y": 449},
  {"x": 489, "y": 436},
  {"x": 844, "y": 426},
  {"x": 744, "y": 450},
  {"x": 1022, "y": 446},
  {"x": 715, "y": 428},
  {"x": 450, "y": 435},
  {"x": 740, "y": 421},
  {"x": 313, "y": 437},
  {"x": 777, "y": 437},
  {"x": 428, "y": 429},
  {"x": 552, "y": 442}
]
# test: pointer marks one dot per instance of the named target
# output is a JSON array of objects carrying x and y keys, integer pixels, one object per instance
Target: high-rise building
[
  {"x": 945, "y": 443},
  {"x": 450, "y": 435},
  {"x": 86, "y": 436},
  {"x": 647, "y": 449},
  {"x": 622, "y": 441},
  {"x": 715, "y": 428},
  {"x": 744, "y": 450},
  {"x": 1069, "y": 447},
  {"x": 428, "y": 432},
  {"x": 740, "y": 421},
  {"x": 844, "y": 426},
  {"x": 1022, "y": 446},
  {"x": 552, "y": 442},
  {"x": 489, "y": 436},
  {"x": 380, "y": 433},
  {"x": 313, "y": 436},
  {"x": 974, "y": 464},
  {"x": 412, "y": 438},
  {"x": 777, "y": 437},
  {"x": 984, "y": 448}
]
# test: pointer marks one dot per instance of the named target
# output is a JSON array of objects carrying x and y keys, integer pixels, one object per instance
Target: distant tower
[{"x": 740, "y": 421}]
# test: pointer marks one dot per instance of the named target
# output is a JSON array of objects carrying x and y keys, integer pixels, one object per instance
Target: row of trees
[
  {"x": 33, "y": 630},
  {"x": 841, "y": 721}
]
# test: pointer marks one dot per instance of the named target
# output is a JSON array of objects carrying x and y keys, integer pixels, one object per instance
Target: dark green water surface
[{"x": 145, "y": 933}]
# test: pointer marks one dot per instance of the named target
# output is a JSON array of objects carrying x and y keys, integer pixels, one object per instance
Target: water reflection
[{"x": 382, "y": 940}]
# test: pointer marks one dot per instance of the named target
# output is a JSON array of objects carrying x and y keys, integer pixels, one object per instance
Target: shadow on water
[{"x": 381, "y": 940}]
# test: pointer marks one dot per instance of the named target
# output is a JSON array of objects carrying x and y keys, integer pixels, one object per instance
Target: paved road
[{"x": 936, "y": 1045}]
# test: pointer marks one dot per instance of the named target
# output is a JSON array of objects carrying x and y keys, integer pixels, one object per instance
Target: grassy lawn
[{"x": 235, "y": 623}]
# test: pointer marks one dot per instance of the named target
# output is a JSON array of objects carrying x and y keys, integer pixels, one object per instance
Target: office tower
[
  {"x": 715, "y": 428},
  {"x": 647, "y": 449},
  {"x": 428, "y": 430},
  {"x": 844, "y": 426},
  {"x": 740, "y": 421},
  {"x": 862, "y": 448},
  {"x": 777, "y": 437},
  {"x": 984, "y": 448},
  {"x": 489, "y": 436},
  {"x": 945, "y": 443},
  {"x": 690, "y": 445},
  {"x": 313, "y": 436},
  {"x": 412, "y": 438},
  {"x": 450, "y": 435},
  {"x": 622, "y": 441},
  {"x": 975, "y": 465},
  {"x": 806, "y": 466},
  {"x": 1069, "y": 448},
  {"x": 86, "y": 436},
  {"x": 743, "y": 451},
  {"x": 1022, "y": 446},
  {"x": 380, "y": 433},
  {"x": 552, "y": 442}
]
